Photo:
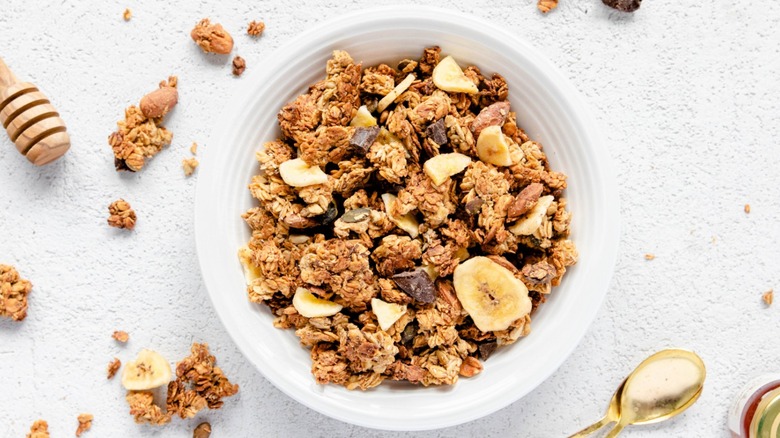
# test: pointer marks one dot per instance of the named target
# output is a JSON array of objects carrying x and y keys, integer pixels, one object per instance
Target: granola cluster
[
  {"x": 383, "y": 184},
  {"x": 121, "y": 215},
  {"x": 13, "y": 293},
  {"x": 39, "y": 429}
]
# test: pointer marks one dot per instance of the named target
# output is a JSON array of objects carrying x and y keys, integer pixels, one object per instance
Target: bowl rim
[{"x": 561, "y": 86}]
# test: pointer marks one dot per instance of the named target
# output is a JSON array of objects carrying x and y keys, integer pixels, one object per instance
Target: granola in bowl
[{"x": 406, "y": 225}]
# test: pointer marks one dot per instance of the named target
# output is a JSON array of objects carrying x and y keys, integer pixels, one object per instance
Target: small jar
[{"x": 756, "y": 411}]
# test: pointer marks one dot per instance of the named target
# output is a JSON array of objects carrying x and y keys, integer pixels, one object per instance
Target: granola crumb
[
  {"x": 121, "y": 215},
  {"x": 189, "y": 165},
  {"x": 13, "y": 293},
  {"x": 143, "y": 409},
  {"x": 547, "y": 5},
  {"x": 199, "y": 384},
  {"x": 747, "y": 208},
  {"x": 85, "y": 423},
  {"x": 113, "y": 367},
  {"x": 768, "y": 297},
  {"x": 194, "y": 148},
  {"x": 255, "y": 28},
  {"x": 239, "y": 65},
  {"x": 127, "y": 14},
  {"x": 39, "y": 429},
  {"x": 649, "y": 256},
  {"x": 121, "y": 336}
]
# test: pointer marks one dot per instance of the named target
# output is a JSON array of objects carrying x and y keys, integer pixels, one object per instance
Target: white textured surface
[{"x": 687, "y": 93}]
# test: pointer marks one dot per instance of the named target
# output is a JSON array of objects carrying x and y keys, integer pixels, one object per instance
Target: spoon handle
[
  {"x": 592, "y": 428},
  {"x": 616, "y": 430}
]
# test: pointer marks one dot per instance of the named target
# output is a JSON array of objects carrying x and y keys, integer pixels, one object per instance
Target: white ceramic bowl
[{"x": 548, "y": 108}]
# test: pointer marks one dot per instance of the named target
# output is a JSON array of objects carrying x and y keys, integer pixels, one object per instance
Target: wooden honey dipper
[{"x": 30, "y": 120}]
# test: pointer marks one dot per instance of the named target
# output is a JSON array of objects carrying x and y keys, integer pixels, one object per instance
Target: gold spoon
[{"x": 661, "y": 387}]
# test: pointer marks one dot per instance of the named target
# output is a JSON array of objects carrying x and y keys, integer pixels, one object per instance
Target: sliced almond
[{"x": 394, "y": 93}]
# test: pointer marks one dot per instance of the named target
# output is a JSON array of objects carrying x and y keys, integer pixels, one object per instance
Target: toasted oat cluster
[
  {"x": 39, "y": 429},
  {"x": 406, "y": 225},
  {"x": 13, "y": 293}
]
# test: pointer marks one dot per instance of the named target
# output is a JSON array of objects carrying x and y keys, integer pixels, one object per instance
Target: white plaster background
[{"x": 687, "y": 93}]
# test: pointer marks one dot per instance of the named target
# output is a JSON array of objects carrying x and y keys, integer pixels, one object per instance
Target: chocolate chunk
[
  {"x": 417, "y": 284},
  {"x": 623, "y": 5},
  {"x": 356, "y": 215},
  {"x": 330, "y": 214},
  {"x": 363, "y": 138},
  {"x": 486, "y": 349},
  {"x": 437, "y": 132},
  {"x": 474, "y": 206}
]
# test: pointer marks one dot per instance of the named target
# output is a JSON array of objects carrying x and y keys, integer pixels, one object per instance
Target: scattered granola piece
[
  {"x": 127, "y": 14},
  {"x": 623, "y": 5},
  {"x": 747, "y": 208},
  {"x": 13, "y": 293},
  {"x": 144, "y": 410},
  {"x": 121, "y": 215},
  {"x": 203, "y": 430},
  {"x": 768, "y": 297},
  {"x": 239, "y": 65},
  {"x": 255, "y": 28},
  {"x": 189, "y": 165},
  {"x": 39, "y": 429},
  {"x": 157, "y": 103},
  {"x": 199, "y": 383},
  {"x": 85, "y": 423},
  {"x": 547, "y": 5},
  {"x": 113, "y": 367},
  {"x": 120, "y": 336},
  {"x": 194, "y": 148},
  {"x": 649, "y": 256},
  {"x": 212, "y": 38}
]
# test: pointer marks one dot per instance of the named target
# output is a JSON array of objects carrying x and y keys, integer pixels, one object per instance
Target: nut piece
[
  {"x": 39, "y": 429},
  {"x": 212, "y": 38},
  {"x": 417, "y": 284},
  {"x": 204, "y": 429},
  {"x": 310, "y": 306},
  {"x": 394, "y": 93},
  {"x": 121, "y": 336},
  {"x": 113, "y": 367},
  {"x": 524, "y": 201},
  {"x": 85, "y": 423},
  {"x": 494, "y": 115},
  {"x": 768, "y": 297},
  {"x": 387, "y": 313},
  {"x": 547, "y": 5},
  {"x": 159, "y": 102},
  {"x": 13, "y": 293},
  {"x": 149, "y": 370},
  {"x": 127, "y": 14},
  {"x": 121, "y": 215},
  {"x": 255, "y": 28},
  {"x": 239, "y": 65},
  {"x": 448, "y": 76},
  {"x": 490, "y": 294},
  {"x": 441, "y": 167},
  {"x": 298, "y": 173},
  {"x": 189, "y": 165},
  {"x": 623, "y": 5},
  {"x": 492, "y": 147},
  {"x": 363, "y": 118},
  {"x": 470, "y": 367},
  {"x": 532, "y": 220}
]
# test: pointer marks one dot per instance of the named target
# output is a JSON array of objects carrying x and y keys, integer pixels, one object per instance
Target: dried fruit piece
[
  {"x": 363, "y": 118},
  {"x": 493, "y": 115},
  {"x": 623, "y": 5},
  {"x": 212, "y": 38},
  {"x": 310, "y": 306},
  {"x": 448, "y": 76},
  {"x": 85, "y": 423},
  {"x": 121, "y": 215},
  {"x": 255, "y": 28},
  {"x": 120, "y": 336},
  {"x": 203, "y": 430},
  {"x": 524, "y": 201},
  {"x": 387, "y": 313},
  {"x": 417, "y": 284},
  {"x": 532, "y": 220},
  {"x": 13, "y": 293},
  {"x": 298, "y": 173},
  {"x": 239, "y": 65},
  {"x": 397, "y": 91},
  {"x": 251, "y": 272},
  {"x": 441, "y": 167},
  {"x": 490, "y": 294},
  {"x": 113, "y": 367},
  {"x": 437, "y": 132},
  {"x": 160, "y": 101},
  {"x": 547, "y": 5},
  {"x": 406, "y": 222},
  {"x": 189, "y": 165},
  {"x": 363, "y": 138},
  {"x": 149, "y": 370},
  {"x": 492, "y": 147}
]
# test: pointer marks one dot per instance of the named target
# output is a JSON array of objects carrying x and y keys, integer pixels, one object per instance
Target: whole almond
[
  {"x": 159, "y": 102},
  {"x": 524, "y": 201},
  {"x": 493, "y": 115},
  {"x": 202, "y": 431}
]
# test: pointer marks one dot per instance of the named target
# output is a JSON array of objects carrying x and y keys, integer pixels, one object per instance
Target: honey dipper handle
[{"x": 7, "y": 77}]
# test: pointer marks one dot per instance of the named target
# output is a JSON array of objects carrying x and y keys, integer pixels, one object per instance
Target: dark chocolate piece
[
  {"x": 486, "y": 349},
  {"x": 363, "y": 138},
  {"x": 623, "y": 5},
  {"x": 417, "y": 284},
  {"x": 437, "y": 132}
]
